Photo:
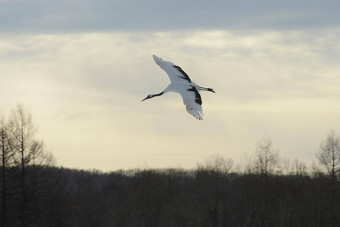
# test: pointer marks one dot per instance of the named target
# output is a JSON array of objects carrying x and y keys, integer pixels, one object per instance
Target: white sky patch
[{"x": 84, "y": 90}]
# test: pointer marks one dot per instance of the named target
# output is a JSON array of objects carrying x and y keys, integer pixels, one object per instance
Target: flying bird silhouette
[{"x": 181, "y": 83}]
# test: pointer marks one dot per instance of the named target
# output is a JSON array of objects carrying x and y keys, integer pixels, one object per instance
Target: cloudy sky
[{"x": 82, "y": 66}]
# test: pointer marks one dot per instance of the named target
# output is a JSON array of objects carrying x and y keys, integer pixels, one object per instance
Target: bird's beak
[{"x": 145, "y": 98}]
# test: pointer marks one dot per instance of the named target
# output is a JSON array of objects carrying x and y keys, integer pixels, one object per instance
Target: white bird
[{"x": 181, "y": 83}]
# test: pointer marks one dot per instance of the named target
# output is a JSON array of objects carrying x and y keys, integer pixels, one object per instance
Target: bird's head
[
  {"x": 147, "y": 97},
  {"x": 153, "y": 95}
]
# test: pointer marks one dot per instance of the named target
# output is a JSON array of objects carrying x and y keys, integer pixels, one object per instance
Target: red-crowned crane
[{"x": 181, "y": 83}]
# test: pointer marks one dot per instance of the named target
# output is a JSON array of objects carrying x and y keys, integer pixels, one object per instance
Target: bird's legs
[{"x": 206, "y": 89}]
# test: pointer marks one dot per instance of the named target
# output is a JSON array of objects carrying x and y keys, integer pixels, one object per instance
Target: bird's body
[{"x": 181, "y": 83}]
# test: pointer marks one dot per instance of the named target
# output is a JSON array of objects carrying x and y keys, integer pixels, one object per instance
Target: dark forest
[
  {"x": 172, "y": 197},
  {"x": 34, "y": 192}
]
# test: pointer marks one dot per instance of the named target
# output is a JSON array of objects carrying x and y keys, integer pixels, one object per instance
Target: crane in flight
[{"x": 181, "y": 83}]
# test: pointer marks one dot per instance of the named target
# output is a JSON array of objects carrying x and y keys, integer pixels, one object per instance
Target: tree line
[{"x": 264, "y": 191}]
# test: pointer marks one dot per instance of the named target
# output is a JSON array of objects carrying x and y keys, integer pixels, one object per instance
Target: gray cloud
[{"x": 132, "y": 15}]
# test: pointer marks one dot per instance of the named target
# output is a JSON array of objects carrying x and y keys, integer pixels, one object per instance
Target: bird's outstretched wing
[
  {"x": 192, "y": 101},
  {"x": 175, "y": 73},
  {"x": 183, "y": 84}
]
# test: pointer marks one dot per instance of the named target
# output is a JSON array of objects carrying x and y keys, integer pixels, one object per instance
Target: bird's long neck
[{"x": 159, "y": 94}]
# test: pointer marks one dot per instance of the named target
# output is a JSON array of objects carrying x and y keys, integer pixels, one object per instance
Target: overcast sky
[
  {"x": 82, "y": 67},
  {"x": 155, "y": 15}
]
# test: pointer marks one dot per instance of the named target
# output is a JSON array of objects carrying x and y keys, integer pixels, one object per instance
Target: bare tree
[
  {"x": 329, "y": 155},
  {"x": 22, "y": 134},
  {"x": 299, "y": 168},
  {"x": 213, "y": 176},
  {"x": 29, "y": 156},
  {"x": 267, "y": 159},
  {"x": 266, "y": 162},
  {"x": 6, "y": 161},
  {"x": 217, "y": 163},
  {"x": 248, "y": 164},
  {"x": 315, "y": 170}
]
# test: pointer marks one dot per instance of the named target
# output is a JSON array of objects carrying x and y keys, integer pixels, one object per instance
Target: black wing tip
[{"x": 185, "y": 76}]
